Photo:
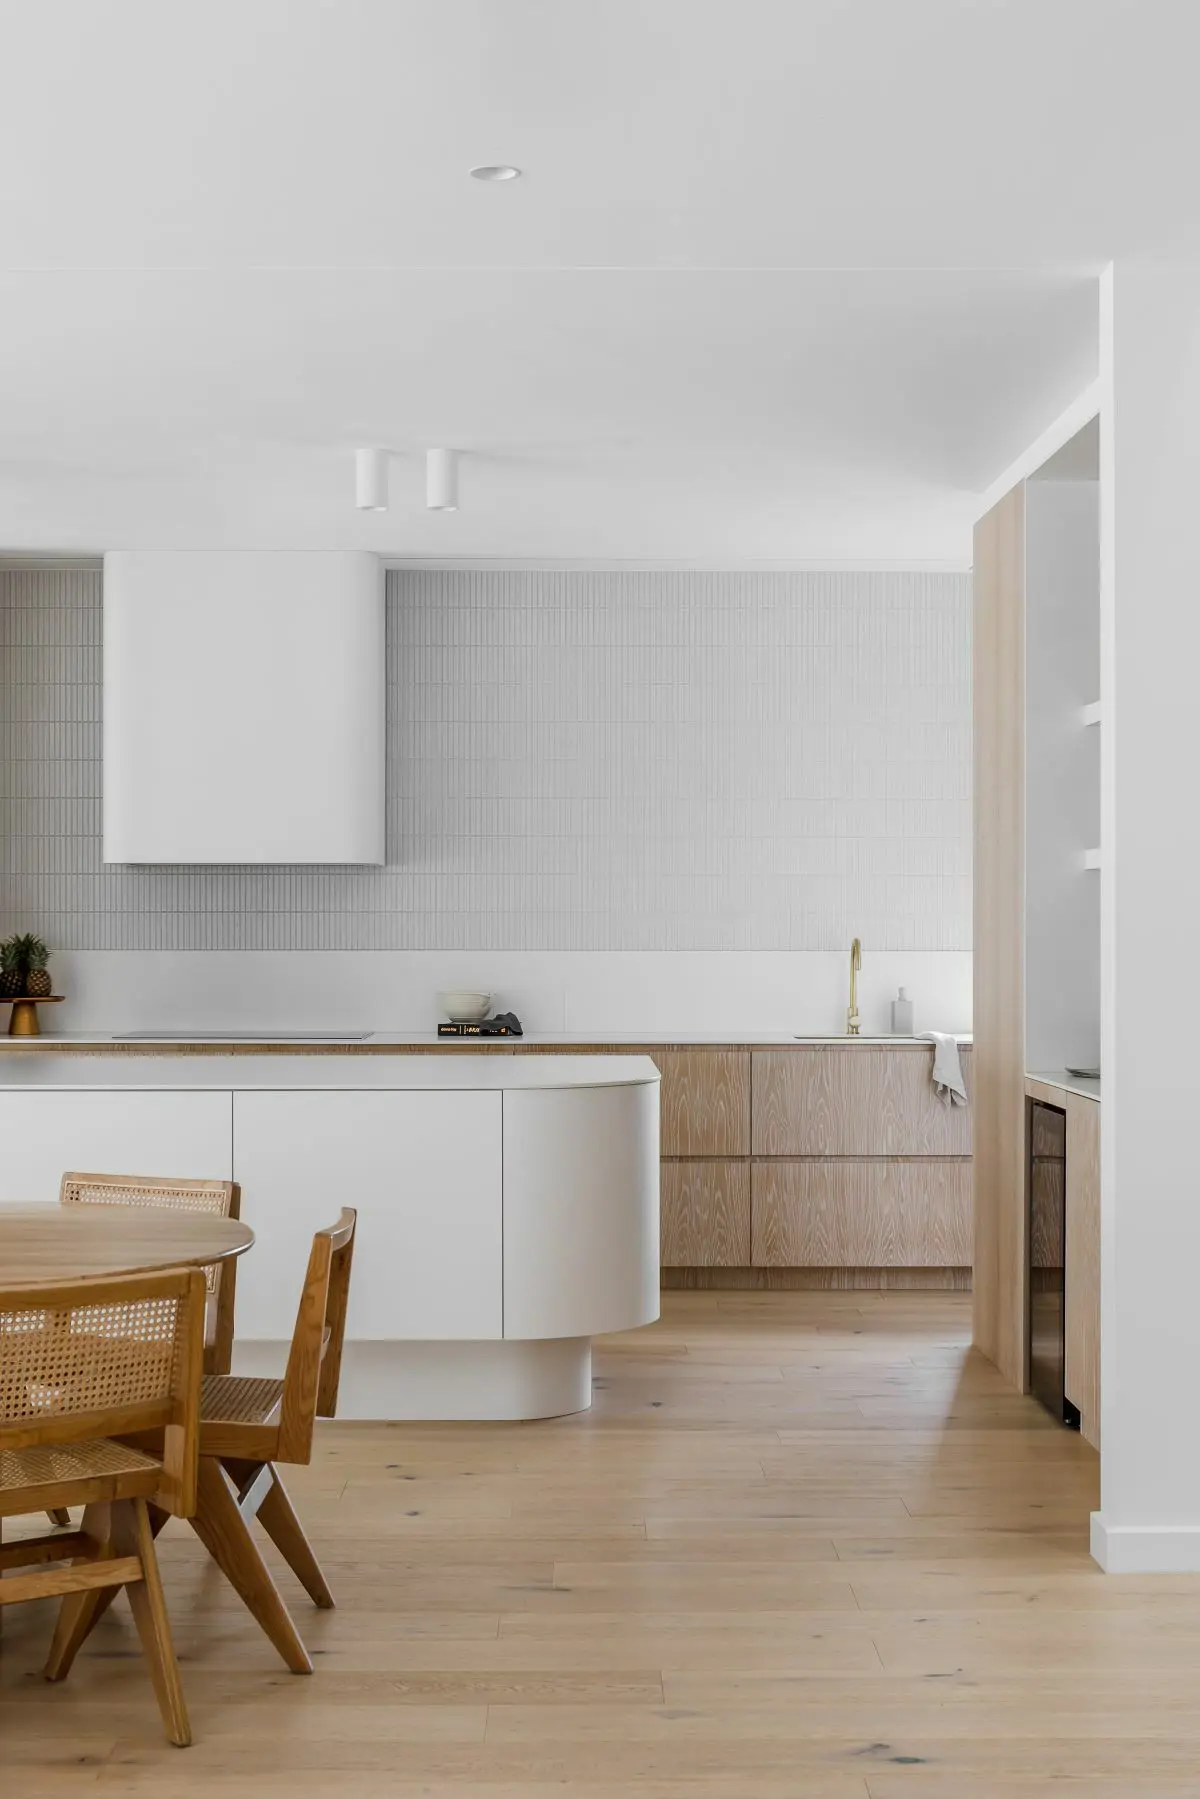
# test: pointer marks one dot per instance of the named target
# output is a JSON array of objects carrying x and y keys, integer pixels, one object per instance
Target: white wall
[
  {"x": 581, "y": 993},
  {"x": 1150, "y": 477}
]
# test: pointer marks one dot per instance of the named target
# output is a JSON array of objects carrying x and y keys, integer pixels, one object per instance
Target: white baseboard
[{"x": 1145, "y": 1548}]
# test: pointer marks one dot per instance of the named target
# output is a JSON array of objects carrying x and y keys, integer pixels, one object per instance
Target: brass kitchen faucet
[{"x": 852, "y": 1018}]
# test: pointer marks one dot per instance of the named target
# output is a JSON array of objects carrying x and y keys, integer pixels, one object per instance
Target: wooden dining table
[{"x": 51, "y": 1242}]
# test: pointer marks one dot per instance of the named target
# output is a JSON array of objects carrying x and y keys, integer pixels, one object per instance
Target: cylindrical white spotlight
[
  {"x": 441, "y": 480},
  {"x": 371, "y": 480}
]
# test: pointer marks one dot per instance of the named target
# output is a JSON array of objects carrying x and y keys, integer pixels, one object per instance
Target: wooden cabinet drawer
[
  {"x": 705, "y": 1214},
  {"x": 850, "y": 1214},
  {"x": 859, "y": 1101},
  {"x": 704, "y": 1101}
]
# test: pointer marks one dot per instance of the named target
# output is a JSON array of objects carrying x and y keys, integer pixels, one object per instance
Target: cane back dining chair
[
  {"x": 248, "y": 1425},
  {"x": 80, "y": 1365},
  {"x": 221, "y": 1198}
]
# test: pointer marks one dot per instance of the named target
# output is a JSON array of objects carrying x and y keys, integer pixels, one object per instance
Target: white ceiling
[{"x": 241, "y": 240}]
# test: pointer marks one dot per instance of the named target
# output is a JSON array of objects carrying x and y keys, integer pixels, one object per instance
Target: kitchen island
[{"x": 508, "y": 1206}]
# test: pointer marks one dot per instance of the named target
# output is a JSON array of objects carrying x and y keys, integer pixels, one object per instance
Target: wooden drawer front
[
  {"x": 704, "y": 1101},
  {"x": 848, "y": 1214},
  {"x": 705, "y": 1215},
  {"x": 855, "y": 1102}
]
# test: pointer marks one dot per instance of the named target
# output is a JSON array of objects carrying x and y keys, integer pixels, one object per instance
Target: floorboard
[{"x": 804, "y": 1546}]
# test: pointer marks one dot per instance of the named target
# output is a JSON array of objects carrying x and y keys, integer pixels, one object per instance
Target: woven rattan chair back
[
  {"x": 223, "y": 1199},
  {"x": 100, "y": 1358}
]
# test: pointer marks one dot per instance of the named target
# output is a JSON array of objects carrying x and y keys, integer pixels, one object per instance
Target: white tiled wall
[{"x": 609, "y": 761}]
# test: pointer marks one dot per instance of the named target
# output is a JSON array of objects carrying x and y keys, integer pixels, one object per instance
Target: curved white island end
[{"x": 508, "y": 1205}]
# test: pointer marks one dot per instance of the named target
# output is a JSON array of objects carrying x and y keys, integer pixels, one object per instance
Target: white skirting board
[
  {"x": 1145, "y": 1548},
  {"x": 417, "y": 1383}
]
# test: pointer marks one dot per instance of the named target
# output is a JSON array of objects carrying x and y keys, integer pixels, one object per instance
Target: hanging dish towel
[{"x": 947, "y": 1068}]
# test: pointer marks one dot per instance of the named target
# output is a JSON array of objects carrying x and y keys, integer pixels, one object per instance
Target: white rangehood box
[{"x": 244, "y": 701}]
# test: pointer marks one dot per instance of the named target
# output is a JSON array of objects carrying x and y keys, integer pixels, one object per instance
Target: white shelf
[
  {"x": 1091, "y": 714},
  {"x": 1091, "y": 858}
]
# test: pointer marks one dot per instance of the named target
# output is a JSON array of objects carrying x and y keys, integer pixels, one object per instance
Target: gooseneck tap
[{"x": 852, "y": 1018}]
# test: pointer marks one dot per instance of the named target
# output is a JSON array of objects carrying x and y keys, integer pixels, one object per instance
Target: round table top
[{"x": 66, "y": 1243}]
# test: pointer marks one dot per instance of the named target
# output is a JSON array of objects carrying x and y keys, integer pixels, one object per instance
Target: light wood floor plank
[{"x": 804, "y": 1546}]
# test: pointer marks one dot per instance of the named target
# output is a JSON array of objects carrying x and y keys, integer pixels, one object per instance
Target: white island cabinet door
[
  {"x": 581, "y": 1232},
  {"x": 42, "y": 1135},
  {"x": 422, "y": 1169}
]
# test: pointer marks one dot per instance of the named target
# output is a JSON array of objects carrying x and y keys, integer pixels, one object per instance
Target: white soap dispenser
[{"x": 902, "y": 1015}]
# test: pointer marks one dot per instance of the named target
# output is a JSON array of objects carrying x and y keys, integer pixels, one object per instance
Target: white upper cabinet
[{"x": 244, "y": 699}]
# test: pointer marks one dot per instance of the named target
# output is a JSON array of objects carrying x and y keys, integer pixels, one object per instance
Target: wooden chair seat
[
  {"x": 70, "y": 1464},
  {"x": 239, "y": 1399}
]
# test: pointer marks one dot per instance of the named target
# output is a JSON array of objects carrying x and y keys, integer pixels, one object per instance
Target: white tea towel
[{"x": 947, "y": 1068}]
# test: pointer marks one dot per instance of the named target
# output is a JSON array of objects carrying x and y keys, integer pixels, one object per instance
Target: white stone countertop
[
  {"x": 263, "y": 1042},
  {"x": 182, "y": 1073},
  {"x": 1066, "y": 1083}
]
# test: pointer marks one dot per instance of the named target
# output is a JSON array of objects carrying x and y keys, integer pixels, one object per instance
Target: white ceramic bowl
[{"x": 465, "y": 1008}]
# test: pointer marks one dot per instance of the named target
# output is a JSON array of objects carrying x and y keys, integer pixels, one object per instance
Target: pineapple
[
  {"x": 38, "y": 984},
  {"x": 12, "y": 970},
  {"x": 23, "y": 970}
]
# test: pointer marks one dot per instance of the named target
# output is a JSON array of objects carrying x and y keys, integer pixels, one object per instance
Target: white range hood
[{"x": 243, "y": 707}]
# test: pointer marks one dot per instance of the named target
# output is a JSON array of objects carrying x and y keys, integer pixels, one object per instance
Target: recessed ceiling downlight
[{"x": 496, "y": 171}]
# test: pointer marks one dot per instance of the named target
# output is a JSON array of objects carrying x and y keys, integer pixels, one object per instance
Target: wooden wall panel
[
  {"x": 1083, "y": 1262},
  {"x": 859, "y": 1214},
  {"x": 999, "y": 933},
  {"x": 705, "y": 1215},
  {"x": 705, "y": 1101},
  {"x": 864, "y": 1101}
]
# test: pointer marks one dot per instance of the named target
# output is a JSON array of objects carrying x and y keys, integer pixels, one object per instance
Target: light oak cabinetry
[
  {"x": 704, "y": 1101},
  {"x": 862, "y": 1214},
  {"x": 869, "y": 1101},
  {"x": 1082, "y": 1381},
  {"x": 705, "y": 1214},
  {"x": 813, "y": 1157},
  {"x": 704, "y": 1105}
]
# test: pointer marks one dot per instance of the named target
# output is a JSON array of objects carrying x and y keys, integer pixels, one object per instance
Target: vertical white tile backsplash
[{"x": 583, "y": 762}]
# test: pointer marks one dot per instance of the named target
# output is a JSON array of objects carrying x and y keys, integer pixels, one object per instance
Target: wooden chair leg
[
  {"x": 277, "y": 1516},
  {"x": 58, "y": 1514},
  {"x": 132, "y": 1536},
  {"x": 90, "y": 1607},
  {"x": 225, "y": 1534},
  {"x": 78, "y": 1612}
]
